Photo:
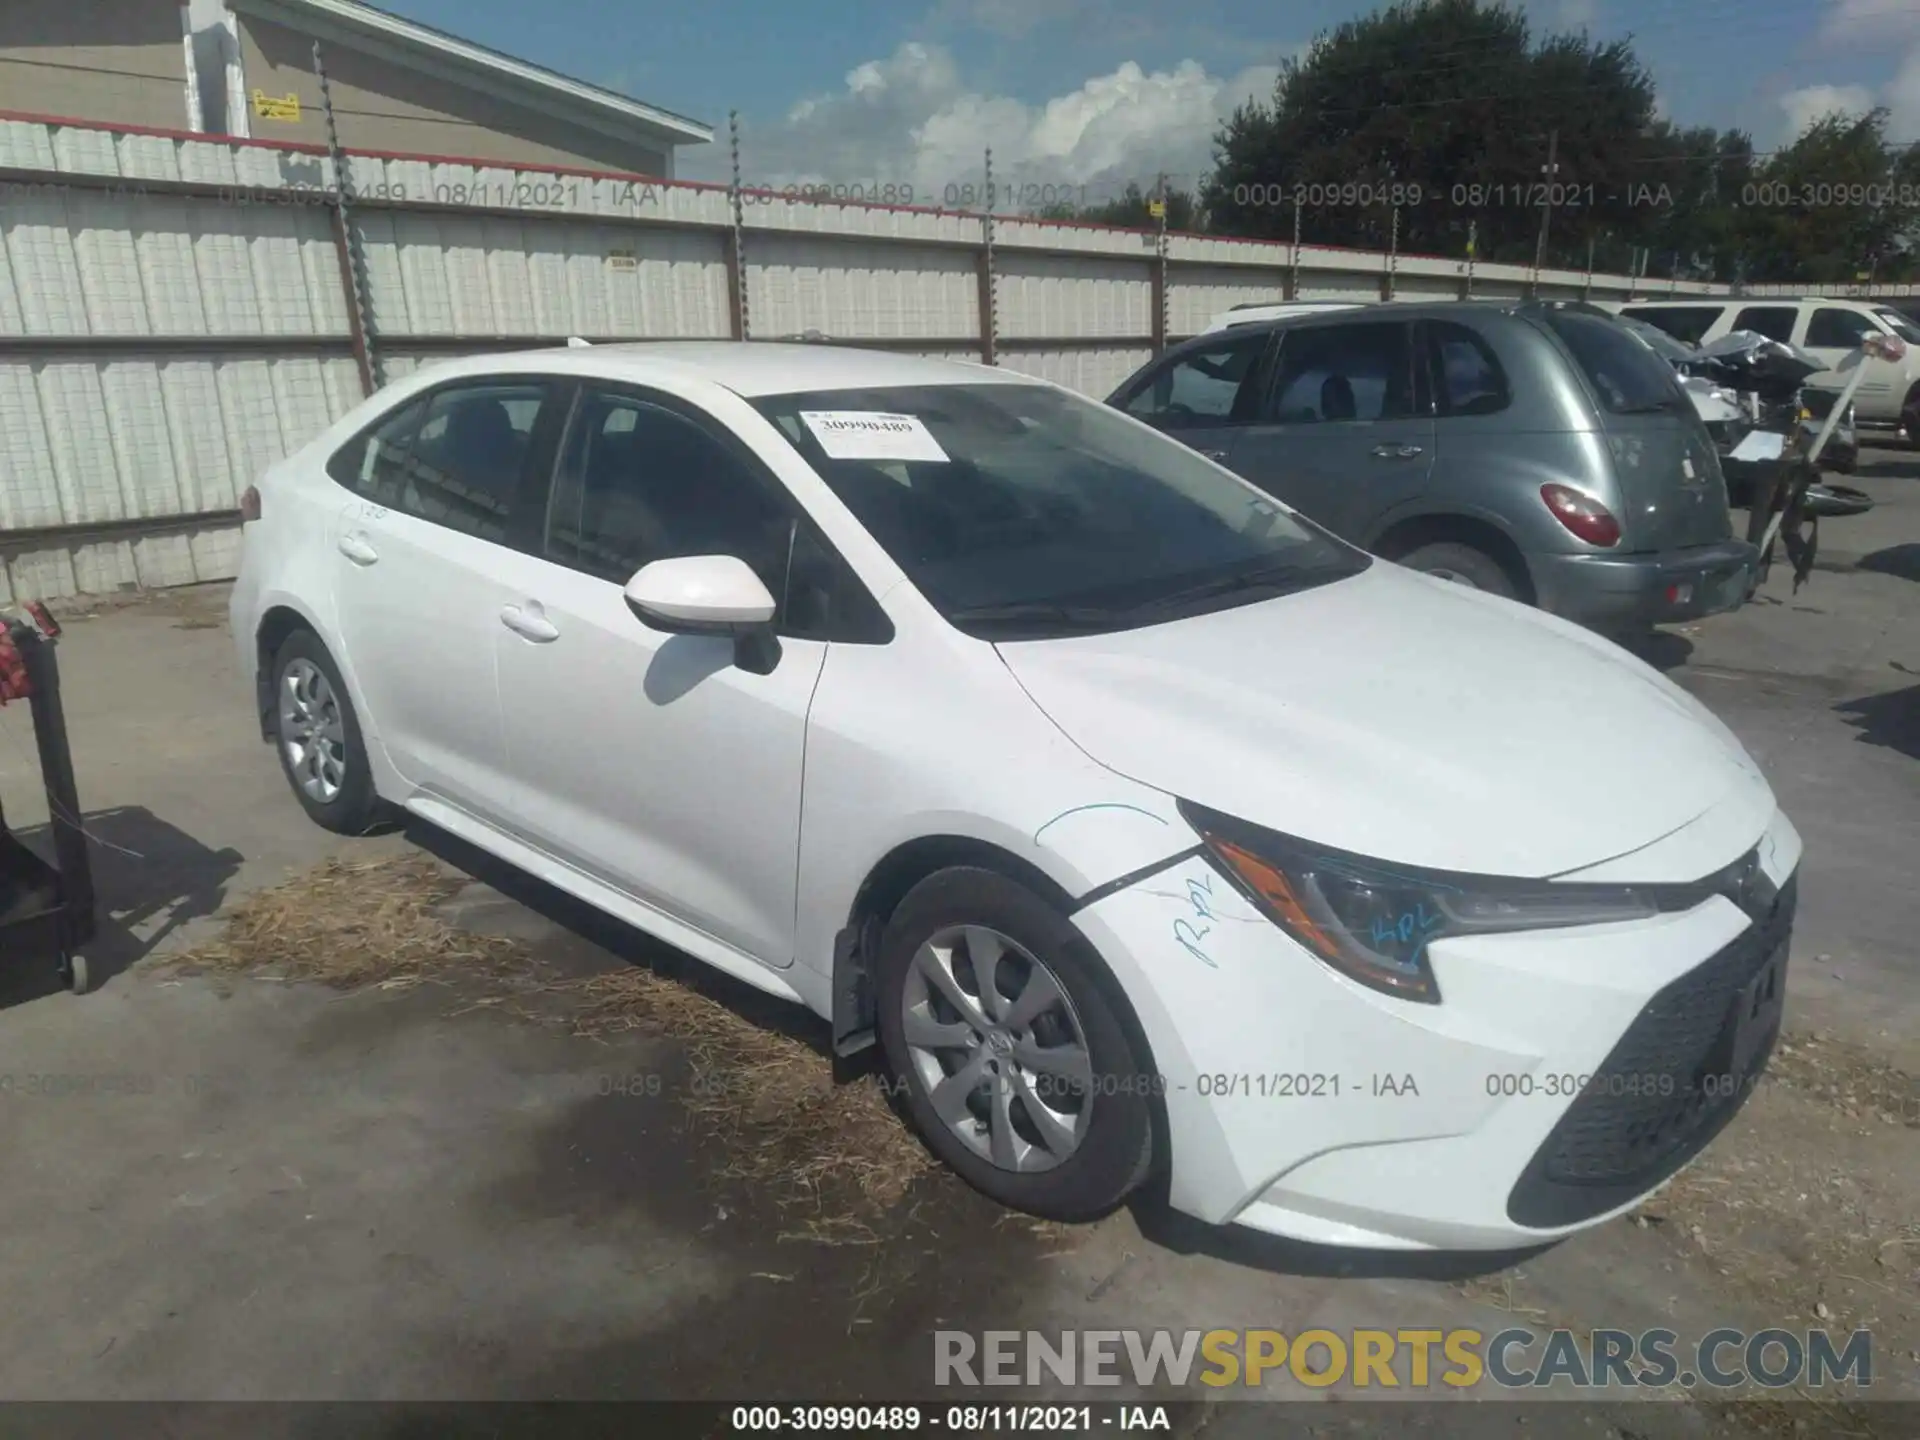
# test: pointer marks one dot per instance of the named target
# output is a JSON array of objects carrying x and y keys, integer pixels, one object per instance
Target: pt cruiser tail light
[{"x": 1583, "y": 515}]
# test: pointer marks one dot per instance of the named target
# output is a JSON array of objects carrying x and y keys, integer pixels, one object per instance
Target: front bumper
[
  {"x": 1557, "y": 1082},
  {"x": 1646, "y": 589}
]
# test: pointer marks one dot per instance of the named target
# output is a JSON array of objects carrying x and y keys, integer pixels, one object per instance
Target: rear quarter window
[{"x": 1623, "y": 374}]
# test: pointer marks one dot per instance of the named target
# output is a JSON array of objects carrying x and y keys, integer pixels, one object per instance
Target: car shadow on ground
[
  {"x": 1900, "y": 561},
  {"x": 597, "y": 928},
  {"x": 1891, "y": 719},
  {"x": 1156, "y": 1219},
  {"x": 150, "y": 879}
]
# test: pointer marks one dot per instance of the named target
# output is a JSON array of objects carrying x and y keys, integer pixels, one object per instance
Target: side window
[
  {"x": 1832, "y": 329},
  {"x": 1467, "y": 379},
  {"x": 464, "y": 468},
  {"x": 1212, "y": 384},
  {"x": 1684, "y": 322},
  {"x": 371, "y": 463},
  {"x": 1343, "y": 372},
  {"x": 638, "y": 483},
  {"x": 1773, "y": 321}
]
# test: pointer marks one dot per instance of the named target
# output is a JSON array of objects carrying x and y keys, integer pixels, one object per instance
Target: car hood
[{"x": 1400, "y": 717}]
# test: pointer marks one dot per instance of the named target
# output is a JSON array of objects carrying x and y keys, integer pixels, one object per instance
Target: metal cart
[{"x": 47, "y": 911}]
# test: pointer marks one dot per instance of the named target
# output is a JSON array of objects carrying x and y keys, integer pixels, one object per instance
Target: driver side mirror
[{"x": 709, "y": 595}]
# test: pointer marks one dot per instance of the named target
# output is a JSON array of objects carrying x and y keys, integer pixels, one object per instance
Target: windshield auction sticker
[{"x": 871, "y": 435}]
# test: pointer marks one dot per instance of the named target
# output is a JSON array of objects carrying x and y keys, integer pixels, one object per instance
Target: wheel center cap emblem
[{"x": 1000, "y": 1042}]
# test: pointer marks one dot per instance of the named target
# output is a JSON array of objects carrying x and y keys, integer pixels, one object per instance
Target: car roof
[
  {"x": 748, "y": 368},
  {"x": 1746, "y": 301},
  {"x": 1399, "y": 309}
]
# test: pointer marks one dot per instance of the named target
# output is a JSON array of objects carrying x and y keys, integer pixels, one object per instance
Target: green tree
[
  {"x": 1454, "y": 101},
  {"x": 1828, "y": 208}
]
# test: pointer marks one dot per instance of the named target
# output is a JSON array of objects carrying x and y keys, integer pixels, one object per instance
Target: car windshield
[
  {"x": 1627, "y": 376},
  {"x": 1901, "y": 325},
  {"x": 1021, "y": 511}
]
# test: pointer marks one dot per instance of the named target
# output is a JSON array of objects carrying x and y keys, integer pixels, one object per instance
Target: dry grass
[
  {"x": 834, "y": 1157},
  {"x": 350, "y": 925},
  {"x": 1807, "y": 1203}
]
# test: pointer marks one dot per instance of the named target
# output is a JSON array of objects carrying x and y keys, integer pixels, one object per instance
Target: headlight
[{"x": 1373, "y": 921}]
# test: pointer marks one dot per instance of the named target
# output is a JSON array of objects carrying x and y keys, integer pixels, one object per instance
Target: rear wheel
[
  {"x": 1013, "y": 1063},
  {"x": 317, "y": 736},
  {"x": 1462, "y": 565}
]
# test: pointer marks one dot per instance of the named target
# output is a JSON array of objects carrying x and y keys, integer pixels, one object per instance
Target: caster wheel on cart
[{"x": 74, "y": 967}]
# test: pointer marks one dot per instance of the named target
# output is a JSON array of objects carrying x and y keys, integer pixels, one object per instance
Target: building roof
[{"x": 434, "y": 51}]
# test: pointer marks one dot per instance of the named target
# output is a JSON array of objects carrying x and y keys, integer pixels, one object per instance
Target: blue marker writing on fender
[
  {"x": 1411, "y": 928},
  {"x": 1191, "y": 932}
]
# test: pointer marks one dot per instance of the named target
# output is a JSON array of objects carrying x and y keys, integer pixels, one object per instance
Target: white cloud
[
  {"x": 910, "y": 120},
  {"x": 1868, "y": 21},
  {"x": 1804, "y": 106},
  {"x": 1902, "y": 99}
]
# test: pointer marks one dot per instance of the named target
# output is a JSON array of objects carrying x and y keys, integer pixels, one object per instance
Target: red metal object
[{"x": 14, "y": 684}]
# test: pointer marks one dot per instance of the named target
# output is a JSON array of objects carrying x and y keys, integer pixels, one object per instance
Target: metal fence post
[
  {"x": 1160, "y": 268},
  {"x": 1293, "y": 269},
  {"x": 989, "y": 289},
  {"x": 347, "y": 243},
  {"x": 739, "y": 320},
  {"x": 1393, "y": 257}
]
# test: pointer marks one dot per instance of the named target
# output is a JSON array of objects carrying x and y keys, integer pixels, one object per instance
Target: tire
[
  {"x": 335, "y": 789},
  {"x": 1098, "y": 1146},
  {"x": 1462, "y": 564}
]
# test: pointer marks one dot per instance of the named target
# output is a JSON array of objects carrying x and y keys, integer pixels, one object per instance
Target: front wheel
[{"x": 1015, "y": 1066}]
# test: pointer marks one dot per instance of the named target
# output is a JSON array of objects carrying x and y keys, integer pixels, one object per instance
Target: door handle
[
  {"x": 1396, "y": 452},
  {"x": 524, "y": 623},
  {"x": 356, "y": 549}
]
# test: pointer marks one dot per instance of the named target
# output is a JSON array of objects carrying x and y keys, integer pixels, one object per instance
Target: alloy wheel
[
  {"x": 993, "y": 1036},
  {"x": 312, "y": 734}
]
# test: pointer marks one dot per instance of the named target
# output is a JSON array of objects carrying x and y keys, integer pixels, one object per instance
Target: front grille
[{"x": 1667, "y": 1088}]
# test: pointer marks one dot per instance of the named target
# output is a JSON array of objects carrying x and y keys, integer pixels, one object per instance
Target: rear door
[
  {"x": 1672, "y": 493},
  {"x": 1776, "y": 322},
  {"x": 1345, "y": 431},
  {"x": 437, "y": 507},
  {"x": 1205, "y": 394}
]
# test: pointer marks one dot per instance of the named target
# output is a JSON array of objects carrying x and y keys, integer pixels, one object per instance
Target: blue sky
[{"x": 1098, "y": 91}]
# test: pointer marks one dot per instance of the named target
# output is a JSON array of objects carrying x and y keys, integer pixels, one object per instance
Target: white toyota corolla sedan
[{"x": 1146, "y": 827}]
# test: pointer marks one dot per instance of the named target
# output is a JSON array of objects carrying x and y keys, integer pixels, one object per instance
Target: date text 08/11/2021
[{"x": 960, "y": 1419}]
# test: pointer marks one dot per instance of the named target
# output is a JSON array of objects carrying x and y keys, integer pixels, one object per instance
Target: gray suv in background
[{"x": 1532, "y": 451}]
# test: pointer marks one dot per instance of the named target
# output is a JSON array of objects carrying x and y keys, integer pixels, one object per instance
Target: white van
[{"x": 1889, "y": 392}]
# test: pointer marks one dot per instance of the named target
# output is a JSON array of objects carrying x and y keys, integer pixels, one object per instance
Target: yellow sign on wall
[{"x": 276, "y": 107}]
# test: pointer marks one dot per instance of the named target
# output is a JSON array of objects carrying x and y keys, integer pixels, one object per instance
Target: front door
[
  {"x": 651, "y": 761},
  {"x": 1833, "y": 335},
  {"x": 419, "y": 546},
  {"x": 1205, "y": 395},
  {"x": 1343, "y": 435}
]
